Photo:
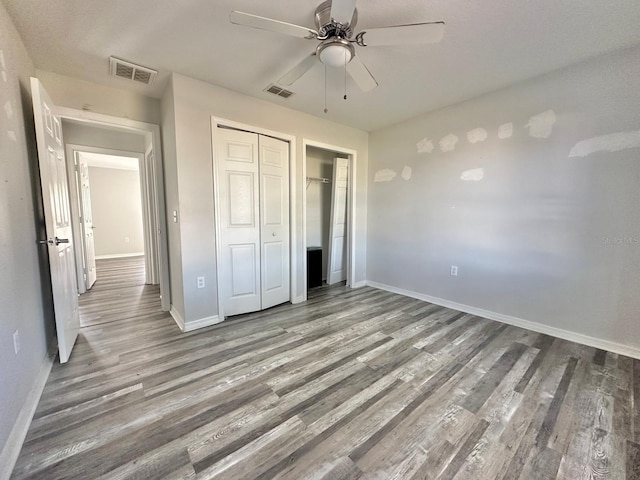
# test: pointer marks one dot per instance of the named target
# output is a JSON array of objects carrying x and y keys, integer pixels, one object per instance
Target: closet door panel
[
  {"x": 274, "y": 218},
  {"x": 238, "y": 171}
]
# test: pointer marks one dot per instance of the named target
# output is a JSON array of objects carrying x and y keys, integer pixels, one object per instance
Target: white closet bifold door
[{"x": 253, "y": 196}]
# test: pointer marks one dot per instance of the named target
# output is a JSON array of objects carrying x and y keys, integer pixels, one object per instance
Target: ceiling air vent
[
  {"x": 281, "y": 92},
  {"x": 131, "y": 71}
]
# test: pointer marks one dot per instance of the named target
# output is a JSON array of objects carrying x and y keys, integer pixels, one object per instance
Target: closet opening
[{"x": 328, "y": 215}]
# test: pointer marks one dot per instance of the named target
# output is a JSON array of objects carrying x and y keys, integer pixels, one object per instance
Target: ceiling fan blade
[
  {"x": 403, "y": 34},
  {"x": 342, "y": 10},
  {"x": 300, "y": 69},
  {"x": 361, "y": 75},
  {"x": 263, "y": 23}
]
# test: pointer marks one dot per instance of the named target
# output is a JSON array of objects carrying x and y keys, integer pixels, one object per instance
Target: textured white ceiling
[{"x": 487, "y": 45}]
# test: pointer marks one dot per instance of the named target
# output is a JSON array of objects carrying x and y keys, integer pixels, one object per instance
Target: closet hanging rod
[{"x": 318, "y": 179}]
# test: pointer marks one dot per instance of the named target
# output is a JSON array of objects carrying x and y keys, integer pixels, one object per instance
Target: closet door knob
[{"x": 273, "y": 234}]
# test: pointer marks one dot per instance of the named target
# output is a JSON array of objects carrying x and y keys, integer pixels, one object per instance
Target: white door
[
  {"x": 239, "y": 222},
  {"x": 253, "y": 194},
  {"x": 55, "y": 195},
  {"x": 274, "y": 220},
  {"x": 337, "y": 271},
  {"x": 87, "y": 223}
]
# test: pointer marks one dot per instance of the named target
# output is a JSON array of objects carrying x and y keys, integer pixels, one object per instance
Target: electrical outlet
[
  {"x": 126, "y": 239},
  {"x": 454, "y": 270},
  {"x": 200, "y": 282},
  {"x": 16, "y": 341}
]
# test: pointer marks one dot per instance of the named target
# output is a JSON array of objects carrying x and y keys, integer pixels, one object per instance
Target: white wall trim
[
  {"x": 201, "y": 323},
  {"x": 517, "y": 322},
  {"x": 120, "y": 255},
  {"x": 11, "y": 450},
  {"x": 177, "y": 318},
  {"x": 360, "y": 284},
  {"x": 299, "y": 299}
]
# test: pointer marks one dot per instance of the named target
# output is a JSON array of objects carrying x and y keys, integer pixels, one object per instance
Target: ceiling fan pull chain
[
  {"x": 345, "y": 74},
  {"x": 325, "y": 89}
]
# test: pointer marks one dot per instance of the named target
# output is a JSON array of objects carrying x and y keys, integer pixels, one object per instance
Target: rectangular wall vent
[
  {"x": 137, "y": 73},
  {"x": 281, "y": 92}
]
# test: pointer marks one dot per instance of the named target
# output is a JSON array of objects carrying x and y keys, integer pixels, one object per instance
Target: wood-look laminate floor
[{"x": 354, "y": 384}]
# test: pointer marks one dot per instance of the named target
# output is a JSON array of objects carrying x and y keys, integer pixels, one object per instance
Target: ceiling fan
[{"x": 335, "y": 22}]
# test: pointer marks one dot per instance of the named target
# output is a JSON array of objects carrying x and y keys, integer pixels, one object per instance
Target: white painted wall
[
  {"x": 25, "y": 288},
  {"x": 319, "y": 165},
  {"x": 82, "y": 95},
  {"x": 537, "y": 234},
  {"x": 117, "y": 211},
  {"x": 194, "y": 102}
]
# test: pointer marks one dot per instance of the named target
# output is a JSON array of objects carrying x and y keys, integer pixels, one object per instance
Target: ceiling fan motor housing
[{"x": 327, "y": 28}]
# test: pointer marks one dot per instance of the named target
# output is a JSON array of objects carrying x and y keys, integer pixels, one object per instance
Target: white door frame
[
  {"x": 72, "y": 150},
  {"x": 351, "y": 210},
  {"x": 222, "y": 122},
  {"x": 151, "y": 133}
]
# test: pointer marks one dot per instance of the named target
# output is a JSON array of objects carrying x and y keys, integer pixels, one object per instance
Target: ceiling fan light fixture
[{"x": 335, "y": 52}]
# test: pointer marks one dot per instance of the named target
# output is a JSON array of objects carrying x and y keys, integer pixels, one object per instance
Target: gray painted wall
[
  {"x": 83, "y": 95},
  {"x": 190, "y": 103},
  {"x": 172, "y": 200},
  {"x": 319, "y": 165},
  {"x": 116, "y": 205},
  {"x": 25, "y": 287},
  {"x": 544, "y": 236},
  {"x": 86, "y": 135}
]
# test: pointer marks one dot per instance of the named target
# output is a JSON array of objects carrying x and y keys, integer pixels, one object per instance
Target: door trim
[
  {"x": 352, "y": 155},
  {"x": 151, "y": 134},
  {"x": 291, "y": 139}
]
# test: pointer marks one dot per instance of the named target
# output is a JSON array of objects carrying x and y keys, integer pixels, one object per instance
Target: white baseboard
[
  {"x": 201, "y": 323},
  {"x": 608, "y": 345},
  {"x": 360, "y": 284},
  {"x": 299, "y": 299},
  {"x": 11, "y": 450},
  {"x": 194, "y": 324},
  {"x": 119, "y": 255},
  {"x": 177, "y": 317}
]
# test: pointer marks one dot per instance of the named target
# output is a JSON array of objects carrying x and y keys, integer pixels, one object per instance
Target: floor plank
[{"x": 352, "y": 384}]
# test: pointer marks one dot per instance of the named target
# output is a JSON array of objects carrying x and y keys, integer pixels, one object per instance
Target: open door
[
  {"x": 337, "y": 271},
  {"x": 87, "y": 223},
  {"x": 55, "y": 196}
]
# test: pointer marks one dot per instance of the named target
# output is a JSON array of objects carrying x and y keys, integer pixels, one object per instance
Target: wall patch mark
[
  {"x": 3, "y": 65},
  {"x": 613, "y": 142},
  {"x": 541, "y": 125},
  {"x": 424, "y": 146},
  {"x": 473, "y": 175},
  {"x": 12, "y": 136},
  {"x": 8, "y": 110},
  {"x": 505, "y": 131},
  {"x": 384, "y": 175},
  {"x": 448, "y": 143},
  {"x": 406, "y": 173},
  {"x": 477, "y": 135}
]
